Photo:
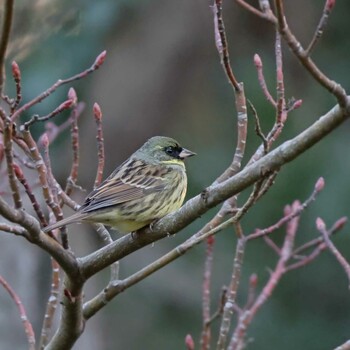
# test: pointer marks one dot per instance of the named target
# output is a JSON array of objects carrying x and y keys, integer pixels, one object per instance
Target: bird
[{"x": 150, "y": 184}]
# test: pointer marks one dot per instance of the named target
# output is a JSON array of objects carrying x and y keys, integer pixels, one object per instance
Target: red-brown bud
[
  {"x": 253, "y": 280},
  {"x": 65, "y": 105},
  {"x": 319, "y": 184},
  {"x": 16, "y": 72},
  {"x": 189, "y": 342},
  {"x": 18, "y": 171},
  {"x": 257, "y": 61},
  {"x": 44, "y": 140},
  {"x": 297, "y": 104},
  {"x": 340, "y": 223},
  {"x": 72, "y": 95},
  {"x": 100, "y": 59},
  {"x": 330, "y": 4},
  {"x": 321, "y": 226},
  {"x": 97, "y": 111}
]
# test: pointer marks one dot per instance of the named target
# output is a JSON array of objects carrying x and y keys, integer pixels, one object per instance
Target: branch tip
[
  {"x": 16, "y": 72},
  {"x": 189, "y": 342},
  {"x": 330, "y": 4},
  {"x": 320, "y": 184},
  {"x": 253, "y": 280},
  {"x": 257, "y": 61},
  {"x": 97, "y": 111},
  {"x": 297, "y": 104},
  {"x": 72, "y": 95},
  {"x": 340, "y": 223},
  {"x": 44, "y": 140},
  {"x": 100, "y": 59},
  {"x": 320, "y": 224}
]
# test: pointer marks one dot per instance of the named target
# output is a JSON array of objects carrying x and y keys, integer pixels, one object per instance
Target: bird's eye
[{"x": 170, "y": 150}]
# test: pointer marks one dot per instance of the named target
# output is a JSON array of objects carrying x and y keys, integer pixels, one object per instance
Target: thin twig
[
  {"x": 342, "y": 261},
  {"x": 98, "y": 62},
  {"x": 73, "y": 176},
  {"x": 232, "y": 293},
  {"x": 321, "y": 26},
  {"x": 36, "y": 206},
  {"x": 261, "y": 78},
  {"x": 54, "y": 187},
  {"x": 8, "y": 144},
  {"x": 16, "y": 73},
  {"x": 258, "y": 129},
  {"x": 298, "y": 209},
  {"x": 247, "y": 316},
  {"x": 268, "y": 15},
  {"x": 22, "y": 312},
  {"x": 5, "y": 36},
  {"x": 100, "y": 145},
  {"x": 208, "y": 266},
  {"x": 51, "y": 305},
  {"x": 333, "y": 87},
  {"x": 221, "y": 44},
  {"x": 62, "y": 107}
]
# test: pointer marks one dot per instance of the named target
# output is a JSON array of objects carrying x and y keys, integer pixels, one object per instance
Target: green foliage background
[{"x": 163, "y": 76}]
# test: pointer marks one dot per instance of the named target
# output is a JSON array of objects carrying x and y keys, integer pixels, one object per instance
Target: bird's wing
[{"x": 132, "y": 180}]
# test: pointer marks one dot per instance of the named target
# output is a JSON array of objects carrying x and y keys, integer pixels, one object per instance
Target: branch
[
  {"x": 100, "y": 145},
  {"x": 303, "y": 57},
  {"x": 26, "y": 324},
  {"x": 5, "y": 35},
  {"x": 98, "y": 62},
  {"x": 342, "y": 261},
  {"x": 214, "y": 194}
]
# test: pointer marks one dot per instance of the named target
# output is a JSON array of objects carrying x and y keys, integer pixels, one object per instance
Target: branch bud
[
  {"x": 339, "y": 224},
  {"x": 257, "y": 61},
  {"x": 44, "y": 140},
  {"x": 189, "y": 342},
  {"x": 97, "y": 111},
  {"x": 253, "y": 280},
  {"x": 72, "y": 95},
  {"x": 18, "y": 171},
  {"x": 319, "y": 184},
  {"x": 65, "y": 105},
  {"x": 16, "y": 72},
  {"x": 321, "y": 226},
  {"x": 330, "y": 4},
  {"x": 297, "y": 104},
  {"x": 100, "y": 59}
]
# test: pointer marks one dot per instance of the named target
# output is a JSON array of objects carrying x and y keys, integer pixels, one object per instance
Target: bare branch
[
  {"x": 328, "y": 7},
  {"x": 98, "y": 62},
  {"x": 221, "y": 44},
  {"x": 26, "y": 323},
  {"x": 5, "y": 36},
  {"x": 342, "y": 261},
  {"x": 100, "y": 145}
]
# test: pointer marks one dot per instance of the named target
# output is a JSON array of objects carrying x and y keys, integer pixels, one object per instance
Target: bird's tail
[{"x": 67, "y": 221}]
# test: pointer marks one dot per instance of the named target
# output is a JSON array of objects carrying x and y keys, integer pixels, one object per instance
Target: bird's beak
[{"x": 185, "y": 153}]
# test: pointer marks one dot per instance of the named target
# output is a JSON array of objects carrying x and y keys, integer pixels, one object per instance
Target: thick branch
[{"x": 215, "y": 194}]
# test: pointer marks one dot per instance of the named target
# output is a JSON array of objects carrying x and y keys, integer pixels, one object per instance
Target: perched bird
[{"x": 147, "y": 186}]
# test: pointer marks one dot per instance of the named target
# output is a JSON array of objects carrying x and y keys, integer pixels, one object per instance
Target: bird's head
[{"x": 165, "y": 150}]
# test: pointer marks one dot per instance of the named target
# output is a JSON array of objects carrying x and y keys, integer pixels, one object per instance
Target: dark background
[{"x": 162, "y": 76}]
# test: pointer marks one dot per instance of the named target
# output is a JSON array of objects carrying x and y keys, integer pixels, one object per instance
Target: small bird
[{"x": 150, "y": 184}]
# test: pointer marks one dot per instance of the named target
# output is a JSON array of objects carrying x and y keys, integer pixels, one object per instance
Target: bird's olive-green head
[{"x": 165, "y": 150}]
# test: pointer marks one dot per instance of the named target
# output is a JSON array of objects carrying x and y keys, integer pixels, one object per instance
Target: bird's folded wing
[{"x": 116, "y": 191}]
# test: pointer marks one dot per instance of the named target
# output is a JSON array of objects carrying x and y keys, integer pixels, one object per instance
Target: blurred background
[{"x": 162, "y": 76}]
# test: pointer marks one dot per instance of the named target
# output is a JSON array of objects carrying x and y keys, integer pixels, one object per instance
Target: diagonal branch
[{"x": 214, "y": 194}]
